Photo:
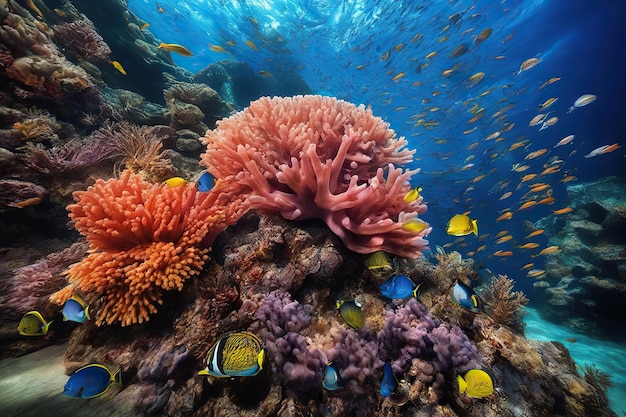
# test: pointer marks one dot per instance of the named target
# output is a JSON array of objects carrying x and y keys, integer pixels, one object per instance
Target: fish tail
[{"x": 416, "y": 290}]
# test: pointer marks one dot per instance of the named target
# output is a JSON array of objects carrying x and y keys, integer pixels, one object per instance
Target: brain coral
[
  {"x": 144, "y": 239},
  {"x": 319, "y": 157}
]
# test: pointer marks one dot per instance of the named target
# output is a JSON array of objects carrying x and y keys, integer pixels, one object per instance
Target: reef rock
[{"x": 592, "y": 262}]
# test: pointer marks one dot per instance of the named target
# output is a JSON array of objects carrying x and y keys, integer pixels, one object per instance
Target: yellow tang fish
[
  {"x": 118, "y": 67},
  {"x": 475, "y": 384},
  {"x": 414, "y": 225},
  {"x": 378, "y": 260},
  {"x": 173, "y": 47},
  {"x": 235, "y": 354},
  {"x": 413, "y": 195},
  {"x": 175, "y": 182},
  {"x": 461, "y": 225}
]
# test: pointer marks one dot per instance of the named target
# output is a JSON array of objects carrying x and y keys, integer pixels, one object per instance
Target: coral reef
[
  {"x": 19, "y": 194},
  {"x": 592, "y": 263},
  {"x": 159, "y": 359},
  {"x": 318, "y": 157},
  {"x": 81, "y": 39}
]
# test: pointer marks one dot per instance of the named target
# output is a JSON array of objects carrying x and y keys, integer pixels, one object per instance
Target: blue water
[{"x": 354, "y": 49}]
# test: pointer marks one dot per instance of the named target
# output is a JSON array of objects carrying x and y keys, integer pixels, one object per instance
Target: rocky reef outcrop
[
  {"x": 586, "y": 281},
  {"x": 281, "y": 280}
]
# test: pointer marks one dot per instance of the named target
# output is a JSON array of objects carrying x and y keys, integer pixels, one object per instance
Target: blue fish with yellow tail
[
  {"x": 33, "y": 324},
  {"x": 399, "y": 286},
  {"x": 389, "y": 384},
  {"x": 205, "y": 182},
  {"x": 352, "y": 313},
  {"x": 332, "y": 380},
  {"x": 235, "y": 354},
  {"x": 465, "y": 296},
  {"x": 91, "y": 381},
  {"x": 76, "y": 309}
]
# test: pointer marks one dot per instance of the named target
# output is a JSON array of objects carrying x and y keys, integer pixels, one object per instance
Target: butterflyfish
[
  {"x": 461, "y": 225},
  {"x": 205, "y": 182},
  {"x": 582, "y": 101},
  {"x": 173, "y": 47},
  {"x": 389, "y": 384},
  {"x": 351, "y": 313},
  {"x": 378, "y": 260},
  {"x": 235, "y": 354},
  {"x": 91, "y": 381},
  {"x": 175, "y": 182},
  {"x": 118, "y": 67},
  {"x": 332, "y": 380},
  {"x": 475, "y": 383},
  {"x": 398, "y": 287},
  {"x": 33, "y": 324},
  {"x": 465, "y": 296},
  {"x": 76, "y": 309}
]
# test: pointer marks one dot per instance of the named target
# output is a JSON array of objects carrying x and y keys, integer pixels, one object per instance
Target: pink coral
[{"x": 319, "y": 157}]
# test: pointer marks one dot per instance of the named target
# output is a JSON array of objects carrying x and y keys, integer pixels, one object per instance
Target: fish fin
[
  {"x": 416, "y": 290},
  {"x": 475, "y": 227},
  {"x": 46, "y": 327},
  {"x": 462, "y": 384},
  {"x": 87, "y": 313},
  {"x": 116, "y": 378},
  {"x": 261, "y": 358},
  {"x": 204, "y": 372}
]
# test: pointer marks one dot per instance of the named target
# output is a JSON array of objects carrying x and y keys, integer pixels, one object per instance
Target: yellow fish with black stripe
[{"x": 235, "y": 354}]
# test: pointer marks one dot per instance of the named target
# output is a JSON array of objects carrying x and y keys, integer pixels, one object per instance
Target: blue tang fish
[
  {"x": 75, "y": 309},
  {"x": 33, "y": 324},
  {"x": 235, "y": 354},
  {"x": 332, "y": 380},
  {"x": 91, "y": 381},
  {"x": 399, "y": 286},
  {"x": 205, "y": 182},
  {"x": 465, "y": 296},
  {"x": 389, "y": 384}
]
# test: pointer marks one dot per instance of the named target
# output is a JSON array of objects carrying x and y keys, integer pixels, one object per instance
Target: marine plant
[
  {"x": 68, "y": 157},
  {"x": 505, "y": 305},
  {"x": 144, "y": 239},
  {"x": 318, "y": 157},
  {"x": 596, "y": 377}
]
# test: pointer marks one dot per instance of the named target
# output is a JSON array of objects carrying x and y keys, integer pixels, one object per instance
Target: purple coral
[
  {"x": 82, "y": 39},
  {"x": 357, "y": 355},
  {"x": 292, "y": 359},
  {"x": 411, "y": 337}
]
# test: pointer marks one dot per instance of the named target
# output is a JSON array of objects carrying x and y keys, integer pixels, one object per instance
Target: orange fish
[
  {"x": 528, "y": 177},
  {"x": 504, "y": 239},
  {"x": 536, "y": 154},
  {"x": 563, "y": 210},
  {"x": 527, "y": 266},
  {"x": 506, "y": 216},
  {"x": 482, "y": 247},
  {"x": 506, "y": 195},
  {"x": 568, "y": 178},
  {"x": 547, "y": 200},
  {"x": 535, "y": 233},
  {"x": 529, "y": 245},
  {"x": 517, "y": 145},
  {"x": 550, "y": 250},
  {"x": 535, "y": 272},
  {"x": 527, "y": 204},
  {"x": 503, "y": 253},
  {"x": 535, "y": 188},
  {"x": 398, "y": 76},
  {"x": 251, "y": 45}
]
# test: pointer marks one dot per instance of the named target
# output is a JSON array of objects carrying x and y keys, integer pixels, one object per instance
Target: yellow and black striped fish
[{"x": 235, "y": 354}]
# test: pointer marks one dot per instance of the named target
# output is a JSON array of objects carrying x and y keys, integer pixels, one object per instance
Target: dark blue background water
[{"x": 339, "y": 48}]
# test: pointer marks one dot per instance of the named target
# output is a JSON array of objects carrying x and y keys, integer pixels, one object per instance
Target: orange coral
[{"x": 144, "y": 239}]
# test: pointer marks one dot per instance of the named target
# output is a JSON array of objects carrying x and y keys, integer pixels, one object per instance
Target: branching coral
[
  {"x": 140, "y": 150},
  {"x": 144, "y": 239},
  {"x": 319, "y": 157},
  {"x": 505, "y": 305}
]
